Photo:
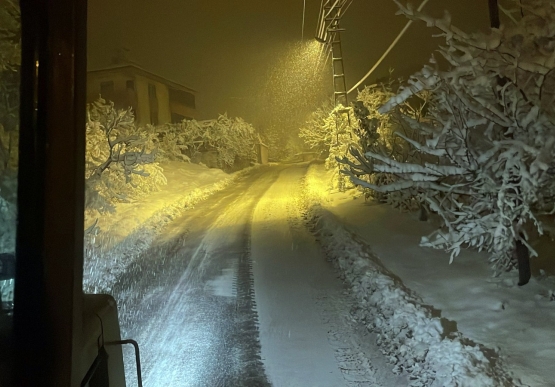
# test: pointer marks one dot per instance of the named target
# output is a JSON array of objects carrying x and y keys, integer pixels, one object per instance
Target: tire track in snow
[
  {"x": 190, "y": 335},
  {"x": 307, "y": 333}
]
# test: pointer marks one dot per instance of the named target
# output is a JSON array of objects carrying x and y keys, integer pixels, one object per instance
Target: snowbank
[
  {"x": 410, "y": 334},
  {"x": 119, "y": 238}
]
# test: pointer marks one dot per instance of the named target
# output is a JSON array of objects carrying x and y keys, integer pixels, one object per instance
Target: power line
[{"x": 388, "y": 49}]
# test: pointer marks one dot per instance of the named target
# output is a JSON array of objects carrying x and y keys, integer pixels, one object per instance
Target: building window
[
  {"x": 130, "y": 85},
  {"x": 182, "y": 97},
  {"x": 153, "y": 103},
  {"x": 106, "y": 89}
]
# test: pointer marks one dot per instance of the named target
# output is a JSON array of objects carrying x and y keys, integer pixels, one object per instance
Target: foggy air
[{"x": 281, "y": 193}]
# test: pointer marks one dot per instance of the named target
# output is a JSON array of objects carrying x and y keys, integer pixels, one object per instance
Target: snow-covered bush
[
  {"x": 314, "y": 132},
  {"x": 120, "y": 158},
  {"x": 343, "y": 126},
  {"x": 231, "y": 138},
  {"x": 172, "y": 144},
  {"x": 488, "y": 142},
  {"x": 337, "y": 131},
  {"x": 330, "y": 131}
]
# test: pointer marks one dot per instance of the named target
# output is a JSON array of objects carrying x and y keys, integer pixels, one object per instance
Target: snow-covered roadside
[
  {"x": 121, "y": 237},
  {"x": 409, "y": 332}
]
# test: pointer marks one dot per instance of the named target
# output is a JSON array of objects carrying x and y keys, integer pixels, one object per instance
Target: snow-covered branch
[{"x": 487, "y": 141}]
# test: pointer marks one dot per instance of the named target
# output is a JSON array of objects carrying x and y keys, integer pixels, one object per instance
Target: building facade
[{"x": 154, "y": 99}]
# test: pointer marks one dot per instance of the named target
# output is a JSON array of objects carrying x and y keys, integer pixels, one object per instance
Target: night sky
[{"x": 225, "y": 48}]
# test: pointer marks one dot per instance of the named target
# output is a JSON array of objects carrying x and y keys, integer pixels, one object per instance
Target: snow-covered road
[
  {"x": 189, "y": 300},
  {"x": 307, "y": 334},
  {"x": 186, "y": 299}
]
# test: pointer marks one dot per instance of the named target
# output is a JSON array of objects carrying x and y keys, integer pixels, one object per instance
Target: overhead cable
[{"x": 388, "y": 49}]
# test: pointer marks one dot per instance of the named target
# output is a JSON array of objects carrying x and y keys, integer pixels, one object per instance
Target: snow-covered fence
[{"x": 488, "y": 143}]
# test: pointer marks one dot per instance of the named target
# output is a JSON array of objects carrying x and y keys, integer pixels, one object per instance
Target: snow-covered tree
[
  {"x": 120, "y": 158},
  {"x": 314, "y": 132},
  {"x": 276, "y": 138},
  {"x": 343, "y": 126},
  {"x": 231, "y": 138},
  {"x": 374, "y": 131},
  {"x": 488, "y": 142},
  {"x": 172, "y": 143},
  {"x": 377, "y": 134},
  {"x": 337, "y": 131},
  {"x": 330, "y": 131}
]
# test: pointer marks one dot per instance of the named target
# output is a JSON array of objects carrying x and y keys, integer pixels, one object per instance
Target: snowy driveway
[{"x": 189, "y": 300}]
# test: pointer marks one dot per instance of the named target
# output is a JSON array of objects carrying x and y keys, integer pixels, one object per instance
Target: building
[{"x": 155, "y": 100}]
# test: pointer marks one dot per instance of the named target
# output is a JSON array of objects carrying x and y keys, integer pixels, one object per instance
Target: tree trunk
[
  {"x": 423, "y": 213},
  {"x": 523, "y": 258},
  {"x": 493, "y": 14}
]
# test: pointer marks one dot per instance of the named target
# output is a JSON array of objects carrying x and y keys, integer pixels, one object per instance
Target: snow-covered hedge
[
  {"x": 122, "y": 159},
  {"x": 488, "y": 141}
]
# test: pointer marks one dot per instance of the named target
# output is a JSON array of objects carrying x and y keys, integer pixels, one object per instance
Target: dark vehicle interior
[{"x": 52, "y": 334}]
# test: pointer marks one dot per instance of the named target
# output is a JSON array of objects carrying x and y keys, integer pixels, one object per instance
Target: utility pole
[{"x": 328, "y": 32}]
